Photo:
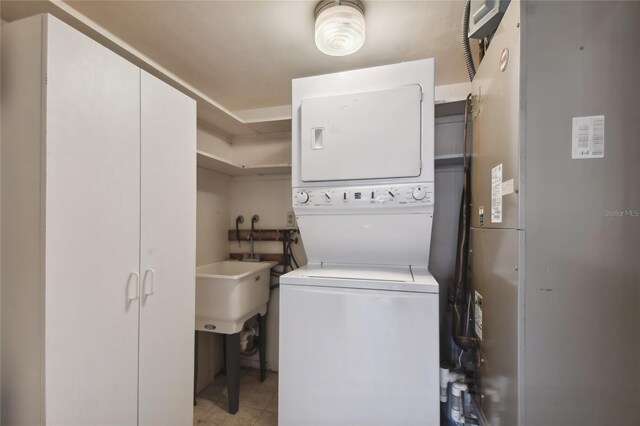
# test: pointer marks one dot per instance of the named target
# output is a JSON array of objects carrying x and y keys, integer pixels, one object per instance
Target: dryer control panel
[{"x": 364, "y": 197}]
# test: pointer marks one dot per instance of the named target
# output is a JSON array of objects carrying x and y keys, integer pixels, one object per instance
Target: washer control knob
[
  {"x": 419, "y": 193},
  {"x": 302, "y": 197}
]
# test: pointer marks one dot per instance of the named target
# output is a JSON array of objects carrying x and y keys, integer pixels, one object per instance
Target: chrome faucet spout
[
  {"x": 252, "y": 257},
  {"x": 254, "y": 220}
]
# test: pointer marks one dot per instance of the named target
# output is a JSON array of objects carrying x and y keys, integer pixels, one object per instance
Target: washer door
[{"x": 358, "y": 357}]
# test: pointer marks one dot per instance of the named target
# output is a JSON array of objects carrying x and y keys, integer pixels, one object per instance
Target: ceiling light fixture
[{"x": 339, "y": 26}]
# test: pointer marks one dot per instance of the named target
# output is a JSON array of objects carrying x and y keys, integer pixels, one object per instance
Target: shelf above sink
[{"x": 226, "y": 167}]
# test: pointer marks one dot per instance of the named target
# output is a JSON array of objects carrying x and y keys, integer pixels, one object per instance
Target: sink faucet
[
  {"x": 239, "y": 220},
  {"x": 252, "y": 256}
]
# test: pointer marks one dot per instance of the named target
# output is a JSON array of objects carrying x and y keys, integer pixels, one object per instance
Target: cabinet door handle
[
  {"x": 149, "y": 285},
  {"x": 136, "y": 283}
]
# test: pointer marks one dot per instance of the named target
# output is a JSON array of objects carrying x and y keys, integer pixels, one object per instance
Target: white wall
[
  {"x": 212, "y": 216},
  {"x": 211, "y": 246},
  {"x": 270, "y": 198},
  {"x": 261, "y": 152},
  {"x": 214, "y": 145}
]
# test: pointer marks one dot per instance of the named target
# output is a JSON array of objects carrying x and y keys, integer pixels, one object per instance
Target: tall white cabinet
[{"x": 98, "y": 185}]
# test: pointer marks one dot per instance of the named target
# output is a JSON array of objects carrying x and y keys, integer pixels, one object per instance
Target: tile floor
[{"x": 258, "y": 402}]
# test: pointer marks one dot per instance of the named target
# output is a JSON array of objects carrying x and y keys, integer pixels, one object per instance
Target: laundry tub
[{"x": 230, "y": 292}]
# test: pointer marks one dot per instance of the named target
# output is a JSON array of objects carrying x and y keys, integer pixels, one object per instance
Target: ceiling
[{"x": 243, "y": 54}]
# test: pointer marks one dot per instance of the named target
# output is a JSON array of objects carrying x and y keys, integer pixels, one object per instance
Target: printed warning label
[
  {"x": 587, "y": 137},
  {"x": 507, "y": 187},
  {"x": 496, "y": 194},
  {"x": 477, "y": 314}
]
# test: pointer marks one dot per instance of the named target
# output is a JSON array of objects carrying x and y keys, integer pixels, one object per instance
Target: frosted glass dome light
[{"x": 339, "y": 26}]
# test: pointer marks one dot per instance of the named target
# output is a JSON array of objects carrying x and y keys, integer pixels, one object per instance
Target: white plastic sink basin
[{"x": 228, "y": 293}]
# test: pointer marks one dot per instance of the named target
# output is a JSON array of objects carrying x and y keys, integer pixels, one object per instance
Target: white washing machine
[{"x": 359, "y": 340}]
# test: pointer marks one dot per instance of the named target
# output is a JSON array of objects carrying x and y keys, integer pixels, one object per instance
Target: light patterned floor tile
[
  {"x": 258, "y": 402},
  {"x": 272, "y": 407},
  {"x": 201, "y": 411},
  {"x": 252, "y": 398},
  {"x": 267, "y": 418},
  {"x": 218, "y": 416}
]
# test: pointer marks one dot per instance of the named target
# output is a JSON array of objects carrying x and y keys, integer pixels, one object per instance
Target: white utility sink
[{"x": 228, "y": 293}]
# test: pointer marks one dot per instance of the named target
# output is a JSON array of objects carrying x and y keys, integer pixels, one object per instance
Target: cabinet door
[
  {"x": 167, "y": 263},
  {"x": 92, "y": 188}
]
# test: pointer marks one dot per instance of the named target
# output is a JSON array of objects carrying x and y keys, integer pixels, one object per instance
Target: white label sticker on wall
[
  {"x": 507, "y": 187},
  {"x": 477, "y": 314},
  {"x": 496, "y": 194},
  {"x": 587, "y": 137}
]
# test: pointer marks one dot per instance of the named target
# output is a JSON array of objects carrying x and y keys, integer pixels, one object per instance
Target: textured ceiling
[{"x": 244, "y": 54}]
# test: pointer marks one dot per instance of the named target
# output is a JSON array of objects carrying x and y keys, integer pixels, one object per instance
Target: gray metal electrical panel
[
  {"x": 485, "y": 16},
  {"x": 555, "y": 240}
]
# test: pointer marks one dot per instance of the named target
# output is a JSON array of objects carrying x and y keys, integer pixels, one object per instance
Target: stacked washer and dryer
[{"x": 359, "y": 324}]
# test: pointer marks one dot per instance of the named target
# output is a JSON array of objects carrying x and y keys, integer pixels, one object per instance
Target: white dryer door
[
  {"x": 367, "y": 135},
  {"x": 358, "y": 357}
]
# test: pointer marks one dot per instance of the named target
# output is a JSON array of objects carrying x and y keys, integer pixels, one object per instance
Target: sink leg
[
  {"x": 195, "y": 368},
  {"x": 262, "y": 346},
  {"x": 224, "y": 354},
  {"x": 233, "y": 371}
]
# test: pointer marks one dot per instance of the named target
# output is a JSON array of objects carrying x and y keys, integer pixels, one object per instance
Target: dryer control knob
[
  {"x": 419, "y": 193},
  {"x": 302, "y": 197}
]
